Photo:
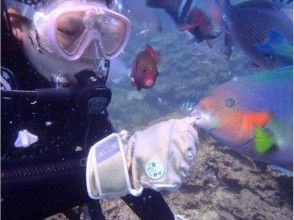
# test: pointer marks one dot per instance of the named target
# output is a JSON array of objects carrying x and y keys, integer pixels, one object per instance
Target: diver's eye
[
  {"x": 70, "y": 24},
  {"x": 230, "y": 102},
  {"x": 67, "y": 32}
]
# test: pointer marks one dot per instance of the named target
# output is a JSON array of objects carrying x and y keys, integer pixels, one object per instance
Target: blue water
[{"x": 187, "y": 71}]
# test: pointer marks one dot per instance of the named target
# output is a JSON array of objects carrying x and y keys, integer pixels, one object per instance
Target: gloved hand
[{"x": 158, "y": 158}]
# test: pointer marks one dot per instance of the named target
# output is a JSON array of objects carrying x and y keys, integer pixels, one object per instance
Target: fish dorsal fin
[
  {"x": 184, "y": 27},
  {"x": 263, "y": 141},
  {"x": 149, "y": 50},
  {"x": 154, "y": 54}
]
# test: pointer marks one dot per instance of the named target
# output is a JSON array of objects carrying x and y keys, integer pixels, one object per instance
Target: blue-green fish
[
  {"x": 250, "y": 23},
  {"x": 277, "y": 45},
  {"x": 252, "y": 115}
]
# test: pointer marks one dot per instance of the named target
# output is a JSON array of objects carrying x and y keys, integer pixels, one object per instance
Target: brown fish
[
  {"x": 144, "y": 70},
  {"x": 204, "y": 19}
]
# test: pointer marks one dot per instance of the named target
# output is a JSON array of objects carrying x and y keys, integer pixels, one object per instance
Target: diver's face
[{"x": 48, "y": 63}]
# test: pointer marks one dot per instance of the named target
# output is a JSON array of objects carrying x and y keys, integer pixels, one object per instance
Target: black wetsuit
[{"x": 48, "y": 176}]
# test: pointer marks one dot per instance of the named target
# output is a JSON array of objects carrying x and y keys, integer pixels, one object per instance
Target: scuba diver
[{"x": 58, "y": 147}]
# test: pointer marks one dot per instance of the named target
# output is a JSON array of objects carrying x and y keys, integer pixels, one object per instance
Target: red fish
[{"x": 144, "y": 71}]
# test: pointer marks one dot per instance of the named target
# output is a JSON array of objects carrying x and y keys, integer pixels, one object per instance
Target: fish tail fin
[
  {"x": 263, "y": 141},
  {"x": 274, "y": 40},
  {"x": 149, "y": 49}
]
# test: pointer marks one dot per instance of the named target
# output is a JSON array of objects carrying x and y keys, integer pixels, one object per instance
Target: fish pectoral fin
[
  {"x": 184, "y": 27},
  {"x": 274, "y": 40},
  {"x": 263, "y": 141}
]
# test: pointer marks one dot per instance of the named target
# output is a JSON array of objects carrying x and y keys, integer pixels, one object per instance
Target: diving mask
[{"x": 70, "y": 27}]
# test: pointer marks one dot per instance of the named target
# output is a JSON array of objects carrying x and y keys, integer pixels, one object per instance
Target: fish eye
[{"x": 230, "y": 102}]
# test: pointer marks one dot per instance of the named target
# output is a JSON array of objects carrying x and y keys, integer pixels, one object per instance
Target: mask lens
[
  {"x": 113, "y": 32},
  {"x": 77, "y": 28},
  {"x": 70, "y": 30}
]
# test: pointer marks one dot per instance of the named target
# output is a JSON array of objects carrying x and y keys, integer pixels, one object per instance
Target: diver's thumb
[{"x": 190, "y": 120}]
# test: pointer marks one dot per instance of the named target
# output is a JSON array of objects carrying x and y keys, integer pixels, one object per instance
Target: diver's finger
[{"x": 189, "y": 120}]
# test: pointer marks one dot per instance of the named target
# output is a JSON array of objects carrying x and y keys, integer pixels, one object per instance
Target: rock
[{"x": 211, "y": 215}]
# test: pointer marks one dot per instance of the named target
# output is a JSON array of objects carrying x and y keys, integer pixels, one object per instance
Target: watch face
[{"x": 154, "y": 169}]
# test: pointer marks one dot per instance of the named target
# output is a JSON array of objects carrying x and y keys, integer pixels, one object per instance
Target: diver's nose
[{"x": 94, "y": 50}]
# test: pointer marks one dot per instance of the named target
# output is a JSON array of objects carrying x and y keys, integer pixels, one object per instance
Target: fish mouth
[
  {"x": 209, "y": 122},
  {"x": 204, "y": 119},
  {"x": 197, "y": 113}
]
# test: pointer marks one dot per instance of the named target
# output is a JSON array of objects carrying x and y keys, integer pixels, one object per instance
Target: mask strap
[
  {"x": 6, "y": 16},
  {"x": 22, "y": 8}
]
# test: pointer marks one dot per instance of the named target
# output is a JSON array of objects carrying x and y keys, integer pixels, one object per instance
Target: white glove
[
  {"x": 162, "y": 154},
  {"x": 158, "y": 158}
]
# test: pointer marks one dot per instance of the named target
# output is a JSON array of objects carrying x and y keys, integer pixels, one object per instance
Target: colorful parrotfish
[{"x": 252, "y": 115}]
